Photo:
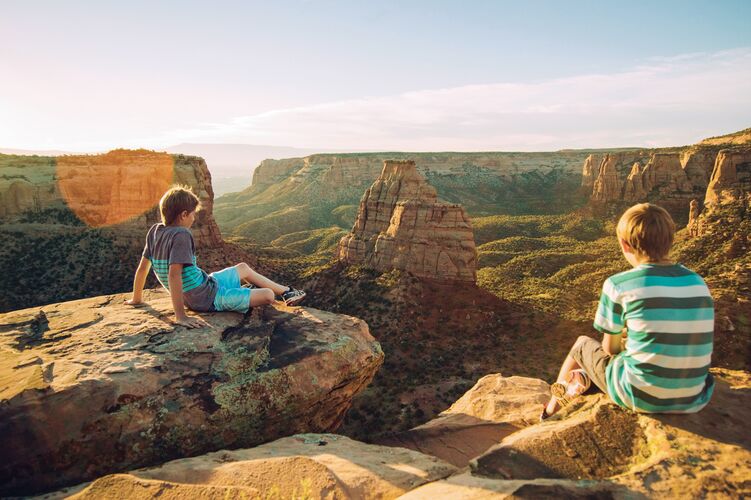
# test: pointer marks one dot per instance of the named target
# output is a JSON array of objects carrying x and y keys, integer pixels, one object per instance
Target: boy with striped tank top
[
  {"x": 665, "y": 314},
  {"x": 171, "y": 252}
]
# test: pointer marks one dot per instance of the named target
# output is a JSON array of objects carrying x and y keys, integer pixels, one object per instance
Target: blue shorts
[{"x": 230, "y": 296}]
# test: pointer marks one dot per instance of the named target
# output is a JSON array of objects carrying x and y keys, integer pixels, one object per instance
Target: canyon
[{"x": 398, "y": 348}]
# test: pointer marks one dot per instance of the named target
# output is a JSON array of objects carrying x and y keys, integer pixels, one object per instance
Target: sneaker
[{"x": 292, "y": 297}]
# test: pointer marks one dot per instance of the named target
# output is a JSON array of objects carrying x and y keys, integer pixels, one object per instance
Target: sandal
[{"x": 576, "y": 384}]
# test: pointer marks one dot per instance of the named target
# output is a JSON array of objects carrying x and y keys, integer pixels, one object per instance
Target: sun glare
[{"x": 111, "y": 188}]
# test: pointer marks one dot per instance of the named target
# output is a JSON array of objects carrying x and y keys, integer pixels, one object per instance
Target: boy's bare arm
[
  {"x": 611, "y": 344},
  {"x": 175, "y": 282},
  {"x": 139, "y": 280}
]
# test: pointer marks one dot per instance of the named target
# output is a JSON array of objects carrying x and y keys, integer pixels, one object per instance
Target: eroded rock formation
[
  {"x": 670, "y": 177},
  {"x": 633, "y": 189},
  {"x": 731, "y": 177},
  {"x": 94, "y": 386},
  {"x": 589, "y": 172},
  {"x": 402, "y": 225},
  {"x": 608, "y": 183},
  {"x": 664, "y": 174}
]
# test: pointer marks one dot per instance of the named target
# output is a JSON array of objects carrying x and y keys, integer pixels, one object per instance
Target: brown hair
[
  {"x": 648, "y": 229},
  {"x": 176, "y": 200}
]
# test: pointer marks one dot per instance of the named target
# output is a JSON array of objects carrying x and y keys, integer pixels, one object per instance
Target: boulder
[
  {"x": 402, "y": 225},
  {"x": 494, "y": 408},
  {"x": 93, "y": 386},
  {"x": 301, "y": 466},
  {"x": 677, "y": 456}
]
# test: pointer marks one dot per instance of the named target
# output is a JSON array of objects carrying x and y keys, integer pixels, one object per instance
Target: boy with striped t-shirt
[
  {"x": 666, "y": 314},
  {"x": 170, "y": 250}
]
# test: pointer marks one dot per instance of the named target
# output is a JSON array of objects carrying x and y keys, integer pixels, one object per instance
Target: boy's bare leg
[
  {"x": 250, "y": 275},
  {"x": 569, "y": 364}
]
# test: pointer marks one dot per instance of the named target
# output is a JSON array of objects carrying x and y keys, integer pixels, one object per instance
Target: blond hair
[
  {"x": 176, "y": 200},
  {"x": 648, "y": 229}
]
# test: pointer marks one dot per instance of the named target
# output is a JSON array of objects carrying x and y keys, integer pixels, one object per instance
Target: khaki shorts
[{"x": 594, "y": 360}]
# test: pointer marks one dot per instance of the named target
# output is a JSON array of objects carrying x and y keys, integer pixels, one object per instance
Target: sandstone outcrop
[
  {"x": 670, "y": 177},
  {"x": 494, "y": 408},
  {"x": 608, "y": 184},
  {"x": 697, "y": 163},
  {"x": 677, "y": 456},
  {"x": 302, "y": 466},
  {"x": 593, "y": 449},
  {"x": 633, "y": 189},
  {"x": 589, "y": 172},
  {"x": 94, "y": 386},
  {"x": 664, "y": 174},
  {"x": 402, "y": 225},
  {"x": 731, "y": 177}
]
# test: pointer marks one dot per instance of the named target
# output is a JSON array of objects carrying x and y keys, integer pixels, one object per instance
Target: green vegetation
[{"x": 311, "y": 242}]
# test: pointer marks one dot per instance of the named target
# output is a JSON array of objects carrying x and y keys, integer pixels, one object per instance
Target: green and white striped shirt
[{"x": 669, "y": 315}]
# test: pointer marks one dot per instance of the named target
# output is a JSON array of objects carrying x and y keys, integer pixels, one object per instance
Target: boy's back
[
  {"x": 167, "y": 245},
  {"x": 669, "y": 315}
]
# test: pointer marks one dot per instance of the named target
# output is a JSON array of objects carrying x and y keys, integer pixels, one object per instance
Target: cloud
[{"x": 665, "y": 101}]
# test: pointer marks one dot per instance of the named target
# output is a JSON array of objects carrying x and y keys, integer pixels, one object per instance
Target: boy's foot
[
  {"x": 292, "y": 297},
  {"x": 578, "y": 382}
]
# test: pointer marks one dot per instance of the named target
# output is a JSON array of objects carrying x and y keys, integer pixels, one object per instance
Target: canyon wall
[{"x": 671, "y": 177}]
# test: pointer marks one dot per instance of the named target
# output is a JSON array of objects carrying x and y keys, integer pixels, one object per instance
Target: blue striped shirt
[{"x": 668, "y": 314}]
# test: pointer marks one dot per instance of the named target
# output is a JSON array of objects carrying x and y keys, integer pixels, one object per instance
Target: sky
[{"x": 373, "y": 76}]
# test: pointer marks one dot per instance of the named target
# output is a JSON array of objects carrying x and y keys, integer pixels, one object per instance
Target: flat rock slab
[
  {"x": 468, "y": 487},
  {"x": 92, "y": 387},
  {"x": 302, "y": 466},
  {"x": 494, "y": 408}
]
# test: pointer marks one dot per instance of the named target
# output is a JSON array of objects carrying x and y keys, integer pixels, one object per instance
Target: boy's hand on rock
[{"x": 191, "y": 322}]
